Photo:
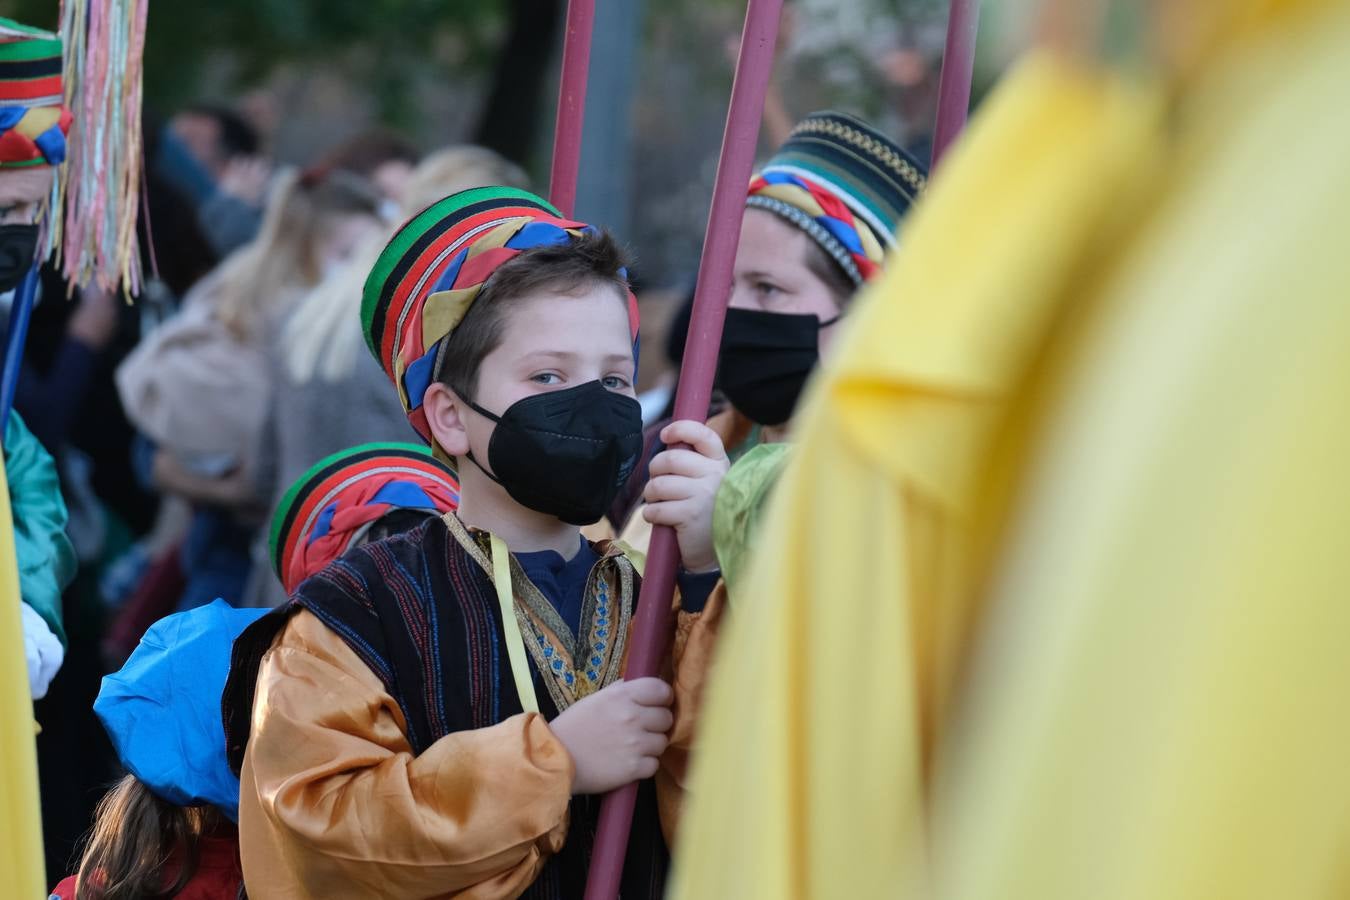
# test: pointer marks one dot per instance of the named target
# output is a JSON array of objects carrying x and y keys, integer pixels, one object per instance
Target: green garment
[
  {"x": 45, "y": 556},
  {"x": 739, "y": 505}
]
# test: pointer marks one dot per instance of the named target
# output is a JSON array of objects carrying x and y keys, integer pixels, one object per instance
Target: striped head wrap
[
  {"x": 33, "y": 120},
  {"x": 434, "y": 268},
  {"x": 332, "y": 505},
  {"x": 843, "y": 183}
]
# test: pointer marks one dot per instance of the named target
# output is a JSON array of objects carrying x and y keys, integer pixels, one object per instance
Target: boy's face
[
  {"x": 550, "y": 342},
  {"x": 772, "y": 274}
]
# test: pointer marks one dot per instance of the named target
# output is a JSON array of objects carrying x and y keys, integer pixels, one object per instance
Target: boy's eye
[
  {"x": 614, "y": 382},
  {"x": 546, "y": 378},
  {"x": 767, "y": 288}
]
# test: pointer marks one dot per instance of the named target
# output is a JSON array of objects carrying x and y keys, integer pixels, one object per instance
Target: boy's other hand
[
  {"x": 616, "y": 735},
  {"x": 683, "y": 489}
]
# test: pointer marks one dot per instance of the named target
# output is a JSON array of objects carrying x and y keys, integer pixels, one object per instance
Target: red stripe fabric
[{"x": 31, "y": 89}]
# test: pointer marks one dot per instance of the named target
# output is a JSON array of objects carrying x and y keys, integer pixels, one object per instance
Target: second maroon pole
[
  {"x": 650, "y": 638},
  {"x": 562, "y": 183},
  {"x": 958, "y": 71}
]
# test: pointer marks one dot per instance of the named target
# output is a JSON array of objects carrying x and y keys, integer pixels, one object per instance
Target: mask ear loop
[
  {"x": 495, "y": 418},
  {"x": 828, "y": 322}
]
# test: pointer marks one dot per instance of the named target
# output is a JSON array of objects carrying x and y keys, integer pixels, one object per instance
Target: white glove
[{"x": 44, "y": 652}]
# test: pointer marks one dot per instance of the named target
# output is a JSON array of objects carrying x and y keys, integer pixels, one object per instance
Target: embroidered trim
[
  {"x": 870, "y": 145},
  {"x": 572, "y": 668}
]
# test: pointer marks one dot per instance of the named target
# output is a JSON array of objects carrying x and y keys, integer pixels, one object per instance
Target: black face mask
[
  {"x": 765, "y": 360},
  {"x": 565, "y": 453},
  {"x": 18, "y": 249}
]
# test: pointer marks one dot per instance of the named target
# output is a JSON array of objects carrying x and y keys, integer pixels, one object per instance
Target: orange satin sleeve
[
  {"x": 692, "y": 655},
  {"x": 334, "y": 804}
]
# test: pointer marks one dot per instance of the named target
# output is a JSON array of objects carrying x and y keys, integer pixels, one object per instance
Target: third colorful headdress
[
  {"x": 33, "y": 118},
  {"x": 845, "y": 184},
  {"x": 434, "y": 268},
  {"x": 331, "y": 505}
]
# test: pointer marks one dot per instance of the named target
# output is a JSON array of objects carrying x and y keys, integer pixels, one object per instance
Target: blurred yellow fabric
[
  {"x": 22, "y": 870},
  {"x": 1046, "y": 605}
]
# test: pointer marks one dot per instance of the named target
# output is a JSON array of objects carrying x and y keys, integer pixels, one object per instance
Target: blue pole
[{"x": 19, "y": 315}]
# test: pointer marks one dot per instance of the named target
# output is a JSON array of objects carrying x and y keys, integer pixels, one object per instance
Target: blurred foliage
[{"x": 208, "y": 48}]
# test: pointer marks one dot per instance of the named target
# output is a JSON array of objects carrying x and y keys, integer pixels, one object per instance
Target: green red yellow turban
[
  {"x": 332, "y": 505},
  {"x": 33, "y": 121},
  {"x": 434, "y": 268}
]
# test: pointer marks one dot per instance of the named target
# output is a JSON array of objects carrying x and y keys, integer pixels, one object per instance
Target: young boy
[{"x": 440, "y": 709}]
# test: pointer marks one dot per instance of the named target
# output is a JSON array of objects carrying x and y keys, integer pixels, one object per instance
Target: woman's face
[{"x": 772, "y": 275}]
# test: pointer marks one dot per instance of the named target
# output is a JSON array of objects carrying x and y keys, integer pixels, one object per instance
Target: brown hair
[
  {"x": 835, "y": 279},
  {"x": 134, "y": 837},
  {"x": 593, "y": 258}
]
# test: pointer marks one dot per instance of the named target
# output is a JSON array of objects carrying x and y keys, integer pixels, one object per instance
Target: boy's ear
[{"x": 443, "y": 410}]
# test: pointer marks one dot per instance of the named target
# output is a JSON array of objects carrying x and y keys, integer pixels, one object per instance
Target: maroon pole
[
  {"x": 958, "y": 68},
  {"x": 562, "y": 183},
  {"x": 651, "y": 633}
]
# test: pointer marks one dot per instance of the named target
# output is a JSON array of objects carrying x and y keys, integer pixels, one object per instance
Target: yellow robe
[
  {"x": 20, "y": 824},
  {"x": 1047, "y": 604}
]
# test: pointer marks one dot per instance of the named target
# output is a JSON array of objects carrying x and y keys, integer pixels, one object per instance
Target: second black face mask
[
  {"x": 766, "y": 358},
  {"x": 566, "y": 453},
  {"x": 18, "y": 250}
]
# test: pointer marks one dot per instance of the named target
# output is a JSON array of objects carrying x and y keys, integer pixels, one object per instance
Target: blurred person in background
[
  {"x": 384, "y": 157},
  {"x": 328, "y": 391},
  {"x": 213, "y": 157},
  {"x": 216, "y": 136},
  {"x": 198, "y": 387}
]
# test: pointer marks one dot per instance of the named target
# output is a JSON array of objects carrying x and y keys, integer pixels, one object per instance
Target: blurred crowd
[{"x": 177, "y": 420}]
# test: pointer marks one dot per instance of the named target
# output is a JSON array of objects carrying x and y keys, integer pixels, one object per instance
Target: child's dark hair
[
  {"x": 840, "y": 286},
  {"x": 134, "y": 837},
  {"x": 592, "y": 258}
]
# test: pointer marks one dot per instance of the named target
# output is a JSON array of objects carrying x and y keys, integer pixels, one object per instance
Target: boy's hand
[
  {"x": 683, "y": 489},
  {"x": 616, "y": 735}
]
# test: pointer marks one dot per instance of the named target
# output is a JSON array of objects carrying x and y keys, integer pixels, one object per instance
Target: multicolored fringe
[{"x": 98, "y": 194}]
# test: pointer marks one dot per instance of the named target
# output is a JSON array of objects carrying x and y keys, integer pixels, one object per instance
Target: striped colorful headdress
[
  {"x": 332, "y": 505},
  {"x": 433, "y": 269},
  {"x": 845, "y": 184},
  {"x": 34, "y": 121}
]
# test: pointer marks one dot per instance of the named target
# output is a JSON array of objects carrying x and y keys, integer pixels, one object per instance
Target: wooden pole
[
  {"x": 562, "y": 184},
  {"x": 652, "y": 622},
  {"x": 958, "y": 69}
]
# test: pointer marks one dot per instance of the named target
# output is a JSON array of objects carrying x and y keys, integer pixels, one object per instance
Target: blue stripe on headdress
[
  {"x": 52, "y": 143},
  {"x": 417, "y": 378},
  {"x": 447, "y": 280},
  {"x": 772, "y": 177},
  {"x": 538, "y": 234},
  {"x": 324, "y": 523},
  {"x": 843, "y": 232},
  {"x": 10, "y": 116},
  {"x": 405, "y": 495}
]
